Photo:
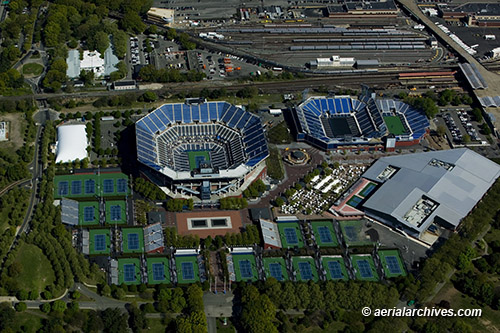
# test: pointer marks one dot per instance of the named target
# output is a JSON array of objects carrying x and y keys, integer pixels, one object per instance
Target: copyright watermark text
[{"x": 422, "y": 312}]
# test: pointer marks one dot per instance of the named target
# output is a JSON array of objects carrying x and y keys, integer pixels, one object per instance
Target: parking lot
[{"x": 459, "y": 124}]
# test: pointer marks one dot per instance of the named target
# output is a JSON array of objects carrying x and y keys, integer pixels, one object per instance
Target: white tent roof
[{"x": 71, "y": 143}]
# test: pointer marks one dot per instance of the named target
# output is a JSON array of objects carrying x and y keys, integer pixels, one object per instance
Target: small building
[
  {"x": 369, "y": 63},
  {"x": 161, "y": 16},
  {"x": 101, "y": 65},
  {"x": 270, "y": 234},
  {"x": 275, "y": 112},
  {"x": 357, "y": 9},
  {"x": 333, "y": 61},
  {"x": 495, "y": 52},
  {"x": 153, "y": 238},
  {"x": 124, "y": 85}
]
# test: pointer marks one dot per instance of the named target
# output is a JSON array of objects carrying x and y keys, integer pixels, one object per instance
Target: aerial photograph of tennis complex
[{"x": 257, "y": 166}]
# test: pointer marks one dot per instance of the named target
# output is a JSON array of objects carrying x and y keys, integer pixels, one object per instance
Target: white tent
[{"x": 71, "y": 143}]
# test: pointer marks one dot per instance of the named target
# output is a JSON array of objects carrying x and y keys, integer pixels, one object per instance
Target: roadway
[{"x": 491, "y": 78}]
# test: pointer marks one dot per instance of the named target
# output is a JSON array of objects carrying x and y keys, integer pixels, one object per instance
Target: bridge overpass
[{"x": 492, "y": 79}]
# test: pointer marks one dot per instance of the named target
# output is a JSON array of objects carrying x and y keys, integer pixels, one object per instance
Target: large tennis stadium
[
  {"x": 202, "y": 149},
  {"x": 342, "y": 121}
]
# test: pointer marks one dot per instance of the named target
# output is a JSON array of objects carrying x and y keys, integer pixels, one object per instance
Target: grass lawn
[
  {"x": 155, "y": 325},
  {"x": 37, "y": 271},
  {"x": 28, "y": 322},
  {"x": 32, "y": 69},
  {"x": 489, "y": 320}
]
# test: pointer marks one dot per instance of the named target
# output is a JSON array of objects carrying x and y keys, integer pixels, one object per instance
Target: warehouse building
[
  {"x": 71, "y": 143},
  {"x": 422, "y": 192}
]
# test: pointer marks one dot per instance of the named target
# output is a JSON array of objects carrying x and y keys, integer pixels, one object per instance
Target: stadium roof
[
  {"x": 149, "y": 131},
  {"x": 71, "y": 143},
  {"x": 417, "y": 188},
  {"x": 153, "y": 237},
  {"x": 270, "y": 233},
  {"x": 69, "y": 212}
]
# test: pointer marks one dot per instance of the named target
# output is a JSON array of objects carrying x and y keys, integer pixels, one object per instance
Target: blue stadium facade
[
  {"x": 333, "y": 122},
  {"x": 229, "y": 141}
]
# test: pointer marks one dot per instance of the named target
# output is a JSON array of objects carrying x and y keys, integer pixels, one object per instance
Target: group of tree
[
  {"x": 249, "y": 236},
  {"x": 120, "y": 100},
  {"x": 274, "y": 164},
  {"x": 148, "y": 190},
  {"x": 193, "y": 319},
  {"x": 233, "y": 203},
  {"x": 178, "y": 205},
  {"x": 279, "y": 134},
  {"x": 13, "y": 205},
  {"x": 149, "y": 73},
  {"x": 172, "y": 238},
  {"x": 255, "y": 189}
]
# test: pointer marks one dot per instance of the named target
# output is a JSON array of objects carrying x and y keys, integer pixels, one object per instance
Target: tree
[
  {"x": 478, "y": 115},
  {"x": 137, "y": 319},
  {"x": 132, "y": 22},
  {"x": 279, "y": 202},
  {"x": 21, "y": 306},
  {"x": 149, "y": 96},
  {"x": 46, "y": 307},
  {"x": 59, "y": 306},
  {"x": 441, "y": 130},
  {"x": 75, "y": 295}
]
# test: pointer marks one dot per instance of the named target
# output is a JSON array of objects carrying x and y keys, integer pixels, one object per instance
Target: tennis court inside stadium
[
  {"x": 394, "y": 125},
  {"x": 158, "y": 271},
  {"x": 91, "y": 185},
  {"x": 367, "y": 189},
  {"x": 353, "y": 232},
  {"x": 290, "y": 234},
  {"x": 132, "y": 240},
  {"x": 324, "y": 233},
  {"x": 88, "y": 213},
  {"x": 305, "y": 269},
  {"x": 364, "y": 268},
  {"x": 354, "y": 201},
  {"x": 129, "y": 271},
  {"x": 245, "y": 267},
  {"x": 391, "y": 263},
  {"x": 276, "y": 268},
  {"x": 116, "y": 212},
  {"x": 335, "y": 268},
  {"x": 99, "y": 241},
  {"x": 187, "y": 269},
  {"x": 197, "y": 157}
]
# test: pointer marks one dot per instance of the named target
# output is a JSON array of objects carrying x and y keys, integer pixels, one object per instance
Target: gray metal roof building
[
  {"x": 419, "y": 189},
  {"x": 153, "y": 238},
  {"x": 69, "y": 212}
]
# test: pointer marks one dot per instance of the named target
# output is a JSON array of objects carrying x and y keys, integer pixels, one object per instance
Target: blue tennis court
[
  {"x": 305, "y": 270},
  {"x": 324, "y": 234},
  {"x": 350, "y": 232},
  {"x": 335, "y": 270},
  {"x": 354, "y": 201},
  {"x": 133, "y": 241},
  {"x": 121, "y": 185},
  {"x": 275, "y": 271},
  {"x": 129, "y": 272},
  {"x": 187, "y": 270},
  {"x": 99, "y": 242},
  {"x": 245, "y": 269},
  {"x": 364, "y": 269},
  {"x": 368, "y": 189},
  {"x": 158, "y": 271},
  {"x": 291, "y": 236},
  {"x": 116, "y": 213},
  {"x": 88, "y": 214},
  {"x": 63, "y": 188},
  {"x": 76, "y": 187},
  {"x": 108, "y": 185},
  {"x": 89, "y": 186},
  {"x": 393, "y": 264}
]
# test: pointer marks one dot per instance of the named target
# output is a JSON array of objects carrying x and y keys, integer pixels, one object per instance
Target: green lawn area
[
  {"x": 324, "y": 233},
  {"x": 37, "y": 271},
  {"x": 27, "y": 322},
  {"x": 32, "y": 68},
  {"x": 358, "y": 266},
  {"x": 290, "y": 229},
  {"x": 240, "y": 262},
  {"x": 155, "y": 325},
  {"x": 489, "y": 320},
  {"x": 394, "y": 125},
  {"x": 384, "y": 255},
  {"x": 298, "y": 262}
]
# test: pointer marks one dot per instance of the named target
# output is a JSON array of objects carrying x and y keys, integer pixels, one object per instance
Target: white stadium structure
[
  {"x": 71, "y": 143},
  {"x": 201, "y": 149}
]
